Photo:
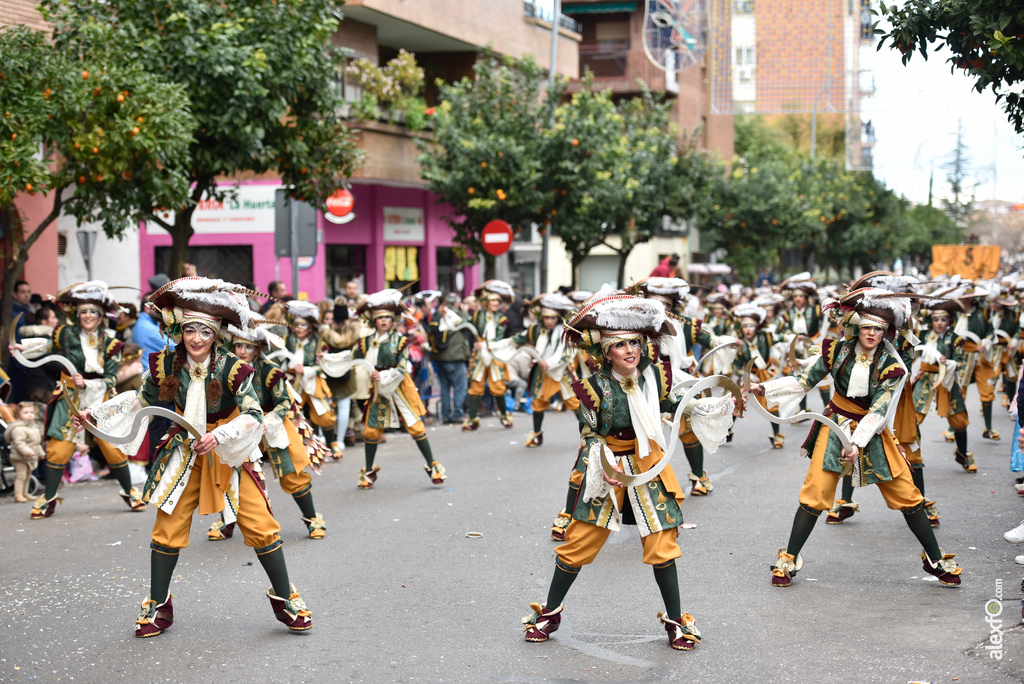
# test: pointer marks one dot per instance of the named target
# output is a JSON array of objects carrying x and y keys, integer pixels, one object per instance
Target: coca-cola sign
[{"x": 339, "y": 207}]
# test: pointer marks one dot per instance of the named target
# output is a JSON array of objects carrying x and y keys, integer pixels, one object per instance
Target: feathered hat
[
  {"x": 669, "y": 290},
  {"x": 94, "y": 293},
  {"x": 752, "y": 311},
  {"x": 208, "y": 301},
  {"x": 384, "y": 303},
  {"x": 886, "y": 280},
  {"x": 719, "y": 299},
  {"x": 609, "y": 317},
  {"x": 553, "y": 304},
  {"x": 799, "y": 283},
  {"x": 492, "y": 289},
  {"x": 579, "y": 296},
  {"x": 875, "y": 307},
  {"x": 945, "y": 299},
  {"x": 302, "y": 310},
  {"x": 261, "y": 336}
]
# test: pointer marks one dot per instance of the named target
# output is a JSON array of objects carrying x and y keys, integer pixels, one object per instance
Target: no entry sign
[{"x": 497, "y": 237}]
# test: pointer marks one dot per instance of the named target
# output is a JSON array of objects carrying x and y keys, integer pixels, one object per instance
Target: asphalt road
[{"x": 400, "y": 594}]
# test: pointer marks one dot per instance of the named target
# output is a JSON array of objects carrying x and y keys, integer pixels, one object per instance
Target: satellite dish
[{"x": 675, "y": 32}]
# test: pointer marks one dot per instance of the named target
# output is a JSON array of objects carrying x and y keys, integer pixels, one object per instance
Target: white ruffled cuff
[
  {"x": 277, "y": 436},
  {"x": 596, "y": 487},
  {"x": 950, "y": 378},
  {"x": 308, "y": 380},
  {"x": 115, "y": 417},
  {"x": 502, "y": 350},
  {"x": 238, "y": 441},
  {"x": 390, "y": 379},
  {"x": 711, "y": 420},
  {"x": 34, "y": 347},
  {"x": 92, "y": 394},
  {"x": 869, "y": 426},
  {"x": 785, "y": 392}
]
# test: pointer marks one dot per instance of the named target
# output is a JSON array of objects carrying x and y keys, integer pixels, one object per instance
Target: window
[
  {"x": 232, "y": 263},
  {"x": 447, "y": 268},
  {"x": 743, "y": 6},
  {"x": 344, "y": 263}
]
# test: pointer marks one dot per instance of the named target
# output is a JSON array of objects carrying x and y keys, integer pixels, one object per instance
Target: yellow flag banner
[{"x": 976, "y": 262}]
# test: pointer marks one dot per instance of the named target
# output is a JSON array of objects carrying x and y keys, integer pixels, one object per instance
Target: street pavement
[{"x": 399, "y": 593}]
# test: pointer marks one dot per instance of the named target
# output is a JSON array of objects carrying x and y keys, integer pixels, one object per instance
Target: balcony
[
  {"x": 532, "y": 10},
  {"x": 617, "y": 66},
  {"x": 605, "y": 60}
]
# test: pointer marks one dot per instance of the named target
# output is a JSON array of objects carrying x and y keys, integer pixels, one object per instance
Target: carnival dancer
[
  {"x": 620, "y": 412},
  {"x": 1008, "y": 309},
  {"x": 484, "y": 370},
  {"x": 866, "y": 378},
  {"x": 977, "y": 368},
  {"x": 676, "y": 347},
  {"x": 756, "y": 345},
  {"x": 550, "y": 375},
  {"x": 582, "y": 365},
  {"x": 937, "y": 377},
  {"x": 905, "y": 427},
  {"x": 395, "y": 401},
  {"x": 95, "y": 355},
  {"x": 720, "y": 323},
  {"x": 305, "y": 346},
  {"x": 1002, "y": 326},
  {"x": 802, "y": 321},
  {"x": 218, "y": 471},
  {"x": 290, "y": 443}
]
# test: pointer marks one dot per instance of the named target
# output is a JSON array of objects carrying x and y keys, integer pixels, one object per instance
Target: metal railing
[
  {"x": 535, "y": 11},
  {"x": 604, "y": 59}
]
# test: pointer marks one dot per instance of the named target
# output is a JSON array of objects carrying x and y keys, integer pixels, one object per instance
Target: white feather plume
[
  {"x": 92, "y": 291},
  {"x": 895, "y": 283},
  {"x": 899, "y": 306},
  {"x": 260, "y": 335},
  {"x": 633, "y": 313},
  {"x": 499, "y": 287},
  {"x": 300, "y": 308},
  {"x": 556, "y": 301},
  {"x": 751, "y": 310},
  {"x": 215, "y": 292},
  {"x": 667, "y": 286},
  {"x": 385, "y": 298}
]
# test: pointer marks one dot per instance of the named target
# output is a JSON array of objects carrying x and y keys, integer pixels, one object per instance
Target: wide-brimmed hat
[
  {"x": 553, "y": 304},
  {"x": 384, "y": 303},
  {"x": 262, "y": 336},
  {"x": 799, "y": 283},
  {"x": 886, "y": 280},
  {"x": 610, "y": 316},
  {"x": 94, "y": 292},
  {"x": 302, "y": 310},
  {"x": 751, "y": 310},
  {"x": 670, "y": 290},
  {"x": 872, "y": 306},
  {"x": 495, "y": 288},
  {"x": 208, "y": 301}
]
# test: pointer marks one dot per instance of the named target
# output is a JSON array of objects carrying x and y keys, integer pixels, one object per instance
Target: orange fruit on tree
[
  {"x": 135, "y": 130},
  {"x": 120, "y": 98},
  {"x": 81, "y": 180},
  {"x": 483, "y": 165},
  {"x": 501, "y": 194},
  {"x": 99, "y": 177},
  {"x": 95, "y": 150},
  {"x": 14, "y": 136},
  {"x": 471, "y": 190},
  {"x": 28, "y": 186},
  {"x": 85, "y": 74},
  {"x": 140, "y": 119},
  {"x": 575, "y": 142}
]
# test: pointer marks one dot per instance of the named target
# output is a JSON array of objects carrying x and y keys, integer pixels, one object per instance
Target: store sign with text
[
  {"x": 404, "y": 224},
  {"x": 245, "y": 209}
]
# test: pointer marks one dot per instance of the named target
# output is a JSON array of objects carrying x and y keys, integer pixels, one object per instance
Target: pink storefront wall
[{"x": 367, "y": 229}]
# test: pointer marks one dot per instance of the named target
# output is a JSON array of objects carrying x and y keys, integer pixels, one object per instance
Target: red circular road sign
[{"x": 497, "y": 237}]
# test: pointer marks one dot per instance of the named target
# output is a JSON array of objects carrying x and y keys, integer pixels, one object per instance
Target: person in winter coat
[{"x": 26, "y": 448}]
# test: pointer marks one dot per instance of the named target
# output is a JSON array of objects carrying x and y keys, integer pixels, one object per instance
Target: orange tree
[
  {"x": 102, "y": 137},
  {"x": 985, "y": 39},
  {"x": 260, "y": 77}
]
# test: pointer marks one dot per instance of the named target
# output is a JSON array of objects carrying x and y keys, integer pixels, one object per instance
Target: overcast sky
[{"x": 915, "y": 110}]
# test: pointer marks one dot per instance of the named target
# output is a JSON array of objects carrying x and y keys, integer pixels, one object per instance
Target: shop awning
[
  {"x": 710, "y": 269},
  {"x": 599, "y": 8}
]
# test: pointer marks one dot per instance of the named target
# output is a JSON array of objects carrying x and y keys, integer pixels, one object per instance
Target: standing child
[{"x": 26, "y": 448}]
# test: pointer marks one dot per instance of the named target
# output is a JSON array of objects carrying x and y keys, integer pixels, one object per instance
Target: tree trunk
[
  {"x": 621, "y": 277},
  {"x": 180, "y": 236}
]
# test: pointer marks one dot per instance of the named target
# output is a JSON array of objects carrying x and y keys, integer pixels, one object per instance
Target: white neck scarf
[
  {"x": 860, "y": 376},
  {"x": 644, "y": 411},
  {"x": 91, "y": 350},
  {"x": 195, "y": 398},
  {"x": 490, "y": 326},
  {"x": 799, "y": 322}
]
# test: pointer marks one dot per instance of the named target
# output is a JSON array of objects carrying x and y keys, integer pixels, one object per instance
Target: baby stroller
[{"x": 6, "y": 469}]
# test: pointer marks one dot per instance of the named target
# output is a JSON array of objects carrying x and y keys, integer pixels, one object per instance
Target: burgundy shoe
[
  {"x": 966, "y": 462},
  {"x": 436, "y": 472},
  {"x": 991, "y": 434},
  {"x": 470, "y": 424},
  {"x": 291, "y": 611},
  {"x": 946, "y": 569},
  {"x": 350, "y": 437},
  {"x": 43, "y": 508},
  {"x": 506, "y": 420},
  {"x": 949, "y": 436},
  {"x": 368, "y": 477},
  {"x": 219, "y": 531},
  {"x": 542, "y": 623},
  {"x": 154, "y": 619},
  {"x": 841, "y": 510},
  {"x": 701, "y": 486},
  {"x": 133, "y": 499},
  {"x": 535, "y": 439},
  {"x": 785, "y": 569},
  {"x": 561, "y": 522},
  {"x": 682, "y": 634}
]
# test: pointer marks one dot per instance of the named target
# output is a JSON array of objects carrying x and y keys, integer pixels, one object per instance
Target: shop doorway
[
  {"x": 231, "y": 263},
  {"x": 344, "y": 263}
]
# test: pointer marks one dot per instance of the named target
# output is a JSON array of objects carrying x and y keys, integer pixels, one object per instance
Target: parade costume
[
  {"x": 621, "y": 414},
  {"x": 803, "y": 323},
  {"x": 395, "y": 401},
  {"x": 979, "y": 363},
  {"x": 675, "y": 347},
  {"x": 290, "y": 443},
  {"x": 96, "y": 356},
  {"x": 317, "y": 400},
  {"x": 484, "y": 369},
  {"x": 940, "y": 380},
  {"x": 550, "y": 346},
  {"x": 758, "y": 349},
  {"x": 1006, "y": 326},
  {"x": 866, "y": 384},
  {"x": 216, "y": 396}
]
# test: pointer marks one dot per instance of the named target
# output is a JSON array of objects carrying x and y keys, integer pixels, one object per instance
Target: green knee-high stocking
[
  {"x": 371, "y": 453},
  {"x": 424, "y": 446},
  {"x": 668, "y": 583},
  {"x": 499, "y": 402},
  {"x": 775, "y": 429},
  {"x": 274, "y": 565},
  {"x": 560, "y": 583},
  {"x": 538, "y": 420},
  {"x": 570, "y": 500},
  {"x": 961, "y": 441},
  {"x": 305, "y": 503},
  {"x": 921, "y": 526},
  {"x": 53, "y": 475},
  {"x": 986, "y": 410},
  {"x": 803, "y": 525},
  {"x": 847, "y": 492},
  {"x": 161, "y": 568},
  {"x": 331, "y": 434},
  {"x": 695, "y": 455},
  {"x": 473, "y": 405},
  {"x": 803, "y": 403},
  {"x": 124, "y": 477},
  {"x": 918, "y": 475}
]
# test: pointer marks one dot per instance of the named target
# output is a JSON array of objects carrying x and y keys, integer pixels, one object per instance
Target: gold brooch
[{"x": 628, "y": 383}]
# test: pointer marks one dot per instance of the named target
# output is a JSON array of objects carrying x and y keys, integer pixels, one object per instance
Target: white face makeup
[
  {"x": 624, "y": 356},
  {"x": 383, "y": 323},
  {"x": 749, "y": 330},
  {"x": 549, "y": 322},
  {"x": 870, "y": 336},
  {"x": 198, "y": 339},
  {"x": 246, "y": 351},
  {"x": 301, "y": 330},
  {"x": 89, "y": 319}
]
